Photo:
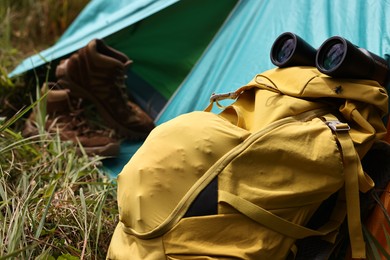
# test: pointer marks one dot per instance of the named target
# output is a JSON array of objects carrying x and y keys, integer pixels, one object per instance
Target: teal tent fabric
[
  {"x": 241, "y": 47},
  {"x": 99, "y": 19}
]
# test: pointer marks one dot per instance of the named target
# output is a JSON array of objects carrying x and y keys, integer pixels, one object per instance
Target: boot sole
[
  {"x": 108, "y": 150},
  {"x": 78, "y": 91}
]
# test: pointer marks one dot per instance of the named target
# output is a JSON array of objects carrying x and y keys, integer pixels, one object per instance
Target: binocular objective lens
[
  {"x": 334, "y": 56},
  {"x": 285, "y": 50}
]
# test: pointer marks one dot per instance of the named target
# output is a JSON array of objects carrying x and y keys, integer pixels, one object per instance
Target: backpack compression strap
[
  {"x": 272, "y": 221},
  {"x": 354, "y": 177}
]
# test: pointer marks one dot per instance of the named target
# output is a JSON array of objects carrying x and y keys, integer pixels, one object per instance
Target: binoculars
[{"x": 336, "y": 57}]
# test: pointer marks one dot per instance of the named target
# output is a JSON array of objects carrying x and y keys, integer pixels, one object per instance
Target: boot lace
[{"x": 120, "y": 84}]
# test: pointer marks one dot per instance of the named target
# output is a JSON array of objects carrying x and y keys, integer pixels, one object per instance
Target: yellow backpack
[{"x": 243, "y": 184}]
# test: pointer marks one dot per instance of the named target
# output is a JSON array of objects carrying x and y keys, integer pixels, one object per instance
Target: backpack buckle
[
  {"x": 217, "y": 97},
  {"x": 338, "y": 126}
]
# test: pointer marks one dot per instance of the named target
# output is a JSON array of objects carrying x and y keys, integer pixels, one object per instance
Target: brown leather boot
[
  {"x": 97, "y": 73},
  {"x": 66, "y": 117}
]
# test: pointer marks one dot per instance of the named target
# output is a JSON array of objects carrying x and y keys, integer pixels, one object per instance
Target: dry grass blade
[{"x": 52, "y": 200}]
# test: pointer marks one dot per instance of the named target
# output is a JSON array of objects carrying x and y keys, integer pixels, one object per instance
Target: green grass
[{"x": 55, "y": 203}]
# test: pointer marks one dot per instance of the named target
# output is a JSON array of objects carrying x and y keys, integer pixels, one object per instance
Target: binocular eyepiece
[{"x": 336, "y": 57}]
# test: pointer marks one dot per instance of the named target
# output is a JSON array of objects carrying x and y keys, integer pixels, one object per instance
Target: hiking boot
[
  {"x": 97, "y": 73},
  {"x": 66, "y": 117}
]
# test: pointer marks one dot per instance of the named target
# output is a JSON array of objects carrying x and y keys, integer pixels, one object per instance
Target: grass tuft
[
  {"x": 55, "y": 203},
  {"x": 52, "y": 200}
]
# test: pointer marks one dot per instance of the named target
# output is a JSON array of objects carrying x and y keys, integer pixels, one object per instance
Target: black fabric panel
[{"x": 206, "y": 203}]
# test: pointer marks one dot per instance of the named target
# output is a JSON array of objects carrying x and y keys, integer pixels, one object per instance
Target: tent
[{"x": 185, "y": 50}]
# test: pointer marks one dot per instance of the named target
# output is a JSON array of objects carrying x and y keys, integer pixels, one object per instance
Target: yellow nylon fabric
[
  {"x": 288, "y": 172},
  {"x": 363, "y": 103},
  {"x": 224, "y": 236},
  {"x": 172, "y": 159},
  {"x": 153, "y": 186},
  {"x": 126, "y": 246},
  {"x": 271, "y": 147},
  {"x": 285, "y": 171}
]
